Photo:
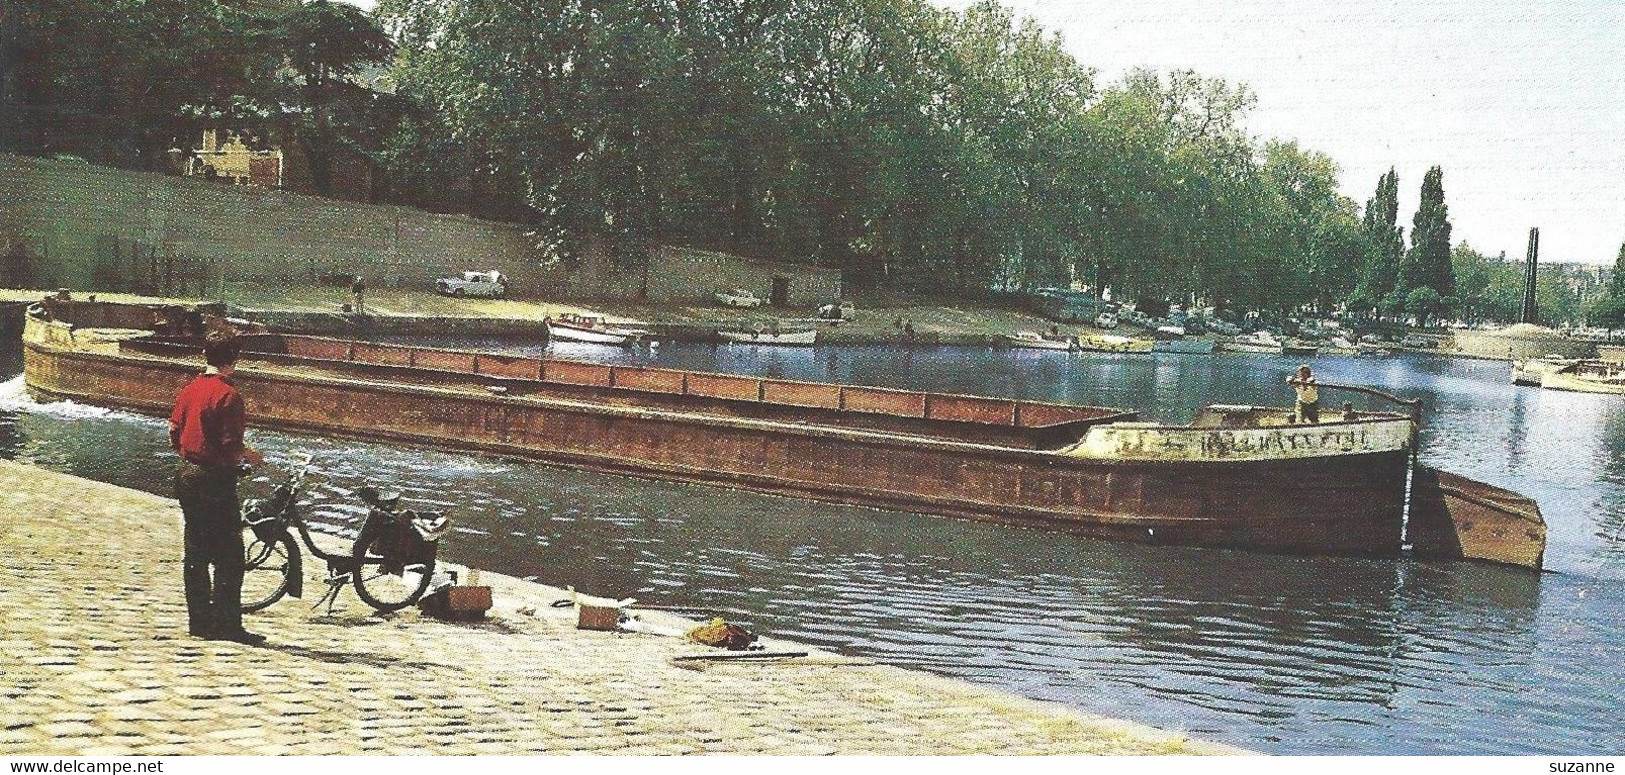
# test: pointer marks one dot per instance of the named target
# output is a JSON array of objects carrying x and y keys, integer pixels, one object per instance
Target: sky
[{"x": 1521, "y": 102}]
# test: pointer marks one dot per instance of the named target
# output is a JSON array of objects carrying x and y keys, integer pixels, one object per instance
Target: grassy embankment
[{"x": 877, "y": 318}]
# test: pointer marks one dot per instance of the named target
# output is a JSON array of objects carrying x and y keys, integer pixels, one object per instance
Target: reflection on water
[{"x": 1282, "y": 654}]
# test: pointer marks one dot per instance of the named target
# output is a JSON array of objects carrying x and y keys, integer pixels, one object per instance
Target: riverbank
[
  {"x": 320, "y": 309},
  {"x": 100, "y": 665}
]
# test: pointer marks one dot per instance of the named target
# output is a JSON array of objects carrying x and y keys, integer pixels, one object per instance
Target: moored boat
[
  {"x": 1528, "y": 372},
  {"x": 1242, "y": 477},
  {"x": 591, "y": 329},
  {"x": 1299, "y": 347},
  {"x": 803, "y": 338},
  {"x": 1036, "y": 341},
  {"x": 1112, "y": 343},
  {"x": 1338, "y": 345},
  {"x": 1370, "y": 344},
  {"x": 1586, "y": 376},
  {"x": 1257, "y": 342},
  {"x": 1184, "y": 346}
]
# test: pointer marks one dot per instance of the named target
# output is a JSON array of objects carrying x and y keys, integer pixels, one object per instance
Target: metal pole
[{"x": 1530, "y": 314}]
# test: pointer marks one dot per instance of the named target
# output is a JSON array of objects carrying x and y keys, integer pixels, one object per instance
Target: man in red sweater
[{"x": 206, "y": 428}]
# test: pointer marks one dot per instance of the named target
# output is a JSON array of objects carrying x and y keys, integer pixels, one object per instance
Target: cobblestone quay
[{"x": 95, "y": 660}]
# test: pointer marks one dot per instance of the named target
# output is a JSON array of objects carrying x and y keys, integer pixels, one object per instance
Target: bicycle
[{"x": 390, "y": 563}]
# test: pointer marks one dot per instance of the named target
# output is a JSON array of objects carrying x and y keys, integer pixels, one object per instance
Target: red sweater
[{"x": 206, "y": 427}]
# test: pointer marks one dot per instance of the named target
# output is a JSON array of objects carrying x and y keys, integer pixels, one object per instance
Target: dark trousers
[
  {"x": 214, "y": 538},
  {"x": 1309, "y": 413}
]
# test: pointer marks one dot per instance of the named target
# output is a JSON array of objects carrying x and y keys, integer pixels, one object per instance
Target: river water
[{"x": 1278, "y": 654}]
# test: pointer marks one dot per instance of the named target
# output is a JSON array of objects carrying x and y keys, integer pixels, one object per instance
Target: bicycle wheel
[
  {"x": 267, "y": 569},
  {"x": 381, "y": 589}
]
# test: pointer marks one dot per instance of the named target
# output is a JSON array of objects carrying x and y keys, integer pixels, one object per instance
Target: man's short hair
[{"x": 220, "y": 348}]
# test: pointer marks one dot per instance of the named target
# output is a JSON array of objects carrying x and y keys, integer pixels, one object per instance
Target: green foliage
[
  {"x": 1607, "y": 311},
  {"x": 1616, "y": 282},
  {"x": 914, "y": 147},
  {"x": 320, "y": 110},
  {"x": 121, "y": 82},
  {"x": 1427, "y": 265},
  {"x": 1491, "y": 289},
  {"x": 1392, "y": 304},
  {"x": 1384, "y": 244},
  {"x": 1424, "y": 303},
  {"x": 1474, "y": 273}
]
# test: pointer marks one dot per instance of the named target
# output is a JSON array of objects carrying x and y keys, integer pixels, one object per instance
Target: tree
[
  {"x": 1473, "y": 272},
  {"x": 123, "y": 82},
  {"x": 1384, "y": 244},
  {"x": 1323, "y": 263},
  {"x": 913, "y": 147},
  {"x": 1425, "y": 303},
  {"x": 1616, "y": 280},
  {"x": 1609, "y": 309},
  {"x": 326, "y": 43},
  {"x": 1608, "y": 312},
  {"x": 1427, "y": 265}
]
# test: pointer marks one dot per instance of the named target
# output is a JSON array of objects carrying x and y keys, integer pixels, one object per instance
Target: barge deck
[{"x": 1238, "y": 477}]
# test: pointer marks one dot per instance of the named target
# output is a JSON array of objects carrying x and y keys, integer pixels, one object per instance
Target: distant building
[{"x": 225, "y": 157}]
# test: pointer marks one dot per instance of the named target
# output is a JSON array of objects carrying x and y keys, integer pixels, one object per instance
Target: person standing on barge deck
[
  {"x": 1308, "y": 394},
  {"x": 206, "y": 429}
]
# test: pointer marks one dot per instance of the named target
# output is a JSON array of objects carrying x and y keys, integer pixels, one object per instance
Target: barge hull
[{"x": 1348, "y": 504}]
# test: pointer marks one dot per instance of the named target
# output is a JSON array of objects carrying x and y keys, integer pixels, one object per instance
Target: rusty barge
[{"x": 1239, "y": 477}]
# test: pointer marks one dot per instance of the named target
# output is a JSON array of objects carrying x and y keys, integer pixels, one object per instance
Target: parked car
[
  {"x": 739, "y": 297},
  {"x": 843, "y": 310},
  {"x": 1106, "y": 320},
  {"x": 490, "y": 284},
  {"x": 342, "y": 279},
  {"x": 1065, "y": 306}
]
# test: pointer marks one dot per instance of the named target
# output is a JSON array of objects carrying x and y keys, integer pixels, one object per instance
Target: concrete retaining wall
[
  {"x": 74, "y": 225},
  {"x": 1520, "y": 342}
]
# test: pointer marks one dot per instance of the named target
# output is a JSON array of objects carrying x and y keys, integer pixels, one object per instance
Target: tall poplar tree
[
  {"x": 1427, "y": 265},
  {"x": 1385, "y": 243},
  {"x": 1616, "y": 281},
  {"x": 1426, "y": 279}
]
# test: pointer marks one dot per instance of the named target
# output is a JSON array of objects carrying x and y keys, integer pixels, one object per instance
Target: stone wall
[
  {"x": 1518, "y": 342},
  {"x": 685, "y": 274},
  {"x": 67, "y": 215},
  {"x": 96, "y": 228}
]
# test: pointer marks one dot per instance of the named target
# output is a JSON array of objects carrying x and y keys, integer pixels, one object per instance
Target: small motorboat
[
  {"x": 1112, "y": 343},
  {"x": 1036, "y": 341},
  {"x": 1587, "y": 376},
  {"x": 1184, "y": 346},
  {"x": 1299, "y": 347},
  {"x": 1340, "y": 346},
  {"x": 591, "y": 329},
  {"x": 1257, "y": 342},
  {"x": 1370, "y": 344},
  {"x": 761, "y": 335},
  {"x": 1529, "y": 372}
]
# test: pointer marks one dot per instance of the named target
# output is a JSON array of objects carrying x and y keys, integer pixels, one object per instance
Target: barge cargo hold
[{"x": 1239, "y": 477}]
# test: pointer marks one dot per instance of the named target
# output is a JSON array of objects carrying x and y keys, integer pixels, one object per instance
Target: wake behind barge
[{"x": 1239, "y": 477}]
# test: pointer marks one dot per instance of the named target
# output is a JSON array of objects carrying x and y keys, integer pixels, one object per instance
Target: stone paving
[{"x": 95, "y": 660}]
